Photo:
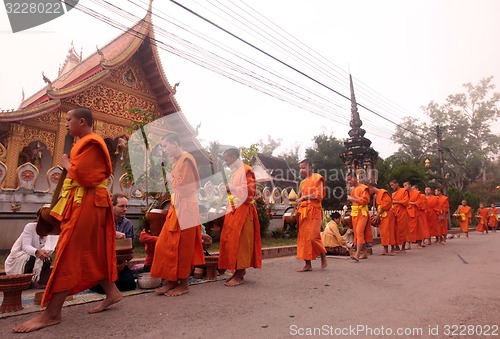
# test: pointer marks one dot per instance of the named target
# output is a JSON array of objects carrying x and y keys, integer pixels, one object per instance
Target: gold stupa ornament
[{"x": 292, "y": 197}]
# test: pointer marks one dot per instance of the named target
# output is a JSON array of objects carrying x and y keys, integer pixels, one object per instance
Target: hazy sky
[{"x": 402, "y": 55}]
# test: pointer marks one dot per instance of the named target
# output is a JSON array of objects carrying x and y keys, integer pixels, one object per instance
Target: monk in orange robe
[
  {"x": 431, "y": 215},
  {"x": 383, "y": 200},
  {"x": 422, "y": 206},
  {"x": 465, "y": 215},
  {"x": 400, "y": 200},
  {"x": 85, "y": 252},
  {"x": 482, "y": 225},
  {"x": 414, "y": 220},
  {"x": 444, "y": 208},
  {"x": 493, "y": 220},
  {"x": 240, "y": 241},
  {"x": 360, "y": 215},
  {"x": 312, "y": 192},
  {"x": 179, "y": 245}
]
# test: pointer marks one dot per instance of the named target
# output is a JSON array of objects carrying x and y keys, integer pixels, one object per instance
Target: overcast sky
[{"x": 402, "y": 55}]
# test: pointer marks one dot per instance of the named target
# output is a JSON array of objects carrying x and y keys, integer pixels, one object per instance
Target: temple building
[
  {"x": 120, "y": 78},
  {"x": 359, "y": 157}
]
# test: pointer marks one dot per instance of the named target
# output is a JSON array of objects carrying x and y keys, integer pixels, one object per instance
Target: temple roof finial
[{"x": 355, "y": 122}]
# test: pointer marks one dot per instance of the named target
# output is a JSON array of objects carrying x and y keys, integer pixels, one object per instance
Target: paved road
[{"x": 425, "y": 292}]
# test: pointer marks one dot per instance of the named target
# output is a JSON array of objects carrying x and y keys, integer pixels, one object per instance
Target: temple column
[
  {"x": 15, "y": 142},
  {"x": 60, "y": 138}
]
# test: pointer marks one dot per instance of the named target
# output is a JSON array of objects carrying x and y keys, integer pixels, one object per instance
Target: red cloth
[
  {"x": 309, "y": 244},
  {"x": 179, "y": 246},
  {"x": 85, "y": 252},
  {"x": 244, "y": 186},
  {"x": 149, "y": 242}
]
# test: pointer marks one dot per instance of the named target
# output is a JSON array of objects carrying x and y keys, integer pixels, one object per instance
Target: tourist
[
  {"x": 400, "y": 200},
  {"x": 310, "y": 213},
  {"x": 464, "y": 215},
  {"x": 240, "y": 241},
  {"x": 179, "y": 245},
  {"x": 124, "y": 227},
  {"x": 31, "y": 254},
  {"x": 334, "y": 243},
  {"x": 482, "y": 223},
  {"x": 385, "y": 217},
  {"x": 493, "y": 220},
  {"x": 360, "y": 197},
  {"x": 86, "y": 249},
  {"x": 443, "y": 208}
]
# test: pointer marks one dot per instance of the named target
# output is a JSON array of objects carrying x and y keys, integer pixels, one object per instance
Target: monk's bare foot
[
  {"x": 355, "y": 257},
  {"x": 179, "y": 290},
  {"x": 391, "y": 254},
  {"x": 234, "y": 282},
  {"x": 383, "y": 253},
  {"x": 305, "y": 269},
  {"x": 364, "y": 256},
  {"x": 324, "y": 262},
  {"x": 40, "y": 321},
  {"x": 165, "y": 288},
  {"x": 111, "y": 298}
]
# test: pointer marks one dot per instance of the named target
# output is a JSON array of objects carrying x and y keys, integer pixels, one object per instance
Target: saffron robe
[
  {"x": 493, "y": 221},
  {"x": 483, "y": 217},
  {"x": 240, "y": 240},
  {"x": 85, "y": 252},
  {"x": 179, "y": 245},
  {"x": 414, "y": 224},
  {"x": 465, "y": 216},
  {"x": 401, "y": 215},
  {"x": 387, "y": 223},
  {"x": 431, "y": 214},
  {"x": 360, "y": 215},
  {"x": 310, "y": 212},
  {"x": 422, "y": 206},
  {"x": 444, "y": 207}
]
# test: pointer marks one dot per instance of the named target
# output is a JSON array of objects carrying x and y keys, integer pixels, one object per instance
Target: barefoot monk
[{"x": 85, "y": 252}]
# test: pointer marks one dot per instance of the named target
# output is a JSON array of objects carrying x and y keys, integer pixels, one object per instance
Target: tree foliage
[
  {"x": 269, "y": 147},
  {"x": 469, "y": 144}
]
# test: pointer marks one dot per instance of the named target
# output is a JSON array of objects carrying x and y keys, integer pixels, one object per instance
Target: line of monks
[{"x": 407, "y": 216}]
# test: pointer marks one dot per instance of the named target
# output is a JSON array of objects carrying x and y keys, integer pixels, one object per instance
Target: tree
[
  {"x": 247, "y": 153},
  {"x": 269, "y": 147},
  {"x": 468, "y": 143},
  {"x": 325, "y": 155},
  {"x": 291, "y": 157}
]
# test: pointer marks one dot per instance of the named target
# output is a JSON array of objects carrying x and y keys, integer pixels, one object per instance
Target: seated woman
[
  {"x": 31, "y": 254},
  {"x": 334, "y": 243}
]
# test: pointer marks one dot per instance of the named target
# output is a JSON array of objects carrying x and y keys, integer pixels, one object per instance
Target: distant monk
[
  {"x": 493, "y": 221},
  {"x": 422, "y": 206},
  {"x": 431, "y": 214},
  {"x": 179, "y": 245},
  {"x": 414, "y": 222},
  {"x": 360, "y": 197},
  {"x": 383, "y": 200},
  {"x": 444, "y": 207},
  {"x": 312, "y": 192},
  {"x": 482, "y": 225},
  {"x": 85, "y": 252},
  {"x": 400, "y": 200},
  {"x": 465, "y": 215},
  {"x": 240, "y": 242}
]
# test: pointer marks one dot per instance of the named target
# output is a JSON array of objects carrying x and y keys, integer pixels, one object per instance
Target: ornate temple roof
[{"x": 77, "y": 75}]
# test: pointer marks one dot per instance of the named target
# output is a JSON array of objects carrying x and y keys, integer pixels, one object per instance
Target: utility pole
[{"x": 439, "y": 134}]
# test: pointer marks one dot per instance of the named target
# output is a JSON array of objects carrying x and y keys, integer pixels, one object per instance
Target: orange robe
[
  {"x": 179, "y": 245},
  {"x": 431, "y": 214},
  {"x": 240, "y": 241},
  {"x": 85, "y": 252},
  {"x": 384, "y": 206},
  {"x": 444, "y": 207},
  {"x": 309, "y": 244},
  {"x": 422, "y": 207},
  {"x": 415, "y": 232},
  {"x": 493, "y": 221},
  {"x": 465, "y": 216},
  {"x": 483, "y": 217},
  {"x": 401, "y": 215},
  {"x": 360, "y": 215}
]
